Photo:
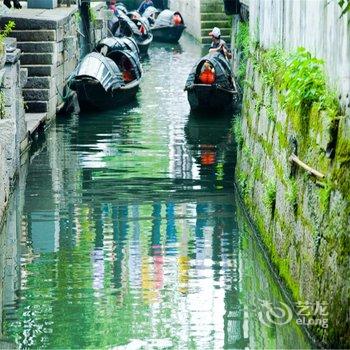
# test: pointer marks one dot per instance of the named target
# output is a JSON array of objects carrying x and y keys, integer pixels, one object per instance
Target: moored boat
[
  {"x": 168, "y": 26},
  {"x": 210, "y": 84},
  {"x": 106, "y": 82},
  {"x": 138, "y": 29},
  {"x": 121, "y": 7},
  {"x": 151, "y": 14},
  {"x": 124, "y": 43}
]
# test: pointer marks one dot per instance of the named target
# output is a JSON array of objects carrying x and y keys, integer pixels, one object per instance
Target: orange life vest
[
  {"x": 127, "y": 76},
  {"x": 207, "y": 76},
  {"x": 177, "y": 19}
]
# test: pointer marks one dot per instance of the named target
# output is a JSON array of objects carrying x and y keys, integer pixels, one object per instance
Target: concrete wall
[
  {"x": 191, "y": 12},
  {"x": 313, "y": 24}
]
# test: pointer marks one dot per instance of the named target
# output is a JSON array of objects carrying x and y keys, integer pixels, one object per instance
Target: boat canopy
[
  {"x": 126, "y": 25},
  {"x": 100, "y": 68},
  {"x": 165, "y": 18},
  {"x": 109, "y": 44},
  {"x": 222, "y": 68},
  {"x": 151, "y": 12},
  {"x": 134, "y": 63},
  {"x": 121, "y": 7}
]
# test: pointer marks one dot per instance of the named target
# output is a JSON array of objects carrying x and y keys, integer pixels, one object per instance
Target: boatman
[
  {"x": 219, "y": 45},
  {"x": 144, "y": 5}
]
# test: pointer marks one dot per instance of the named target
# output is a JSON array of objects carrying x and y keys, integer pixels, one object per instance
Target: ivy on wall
[{"x": 345, "y": 6}]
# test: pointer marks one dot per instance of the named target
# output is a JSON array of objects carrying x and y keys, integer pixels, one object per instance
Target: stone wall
[
  {"x": 303, "y": 220},
  {"x": 13, "y": 131}
]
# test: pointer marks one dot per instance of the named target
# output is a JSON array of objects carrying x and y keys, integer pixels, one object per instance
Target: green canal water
[{"x": 130, "y": 235}]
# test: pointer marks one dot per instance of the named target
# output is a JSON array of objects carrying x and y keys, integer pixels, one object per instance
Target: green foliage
[
  {"x": 345, "y": 6},
  {"x": 292, "y": 193},
  {"x": 237, "y": 130},
  {"x": 2, "y": 105},
  {"x": 4, "y": 33},
  {"x": 242, "y": 44},
  {"x": 270, "y": 195},
  {"x": 300, "y": 80},
  {"x": 92, "y": 15},
  {"x": 270, "y": 113}
]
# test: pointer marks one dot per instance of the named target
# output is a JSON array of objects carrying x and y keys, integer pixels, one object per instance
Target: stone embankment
[
  {"x": 42, "y": 53},
  {"x": 294, "y": 152}
]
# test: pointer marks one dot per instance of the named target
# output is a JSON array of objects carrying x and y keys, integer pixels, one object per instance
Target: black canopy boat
[
  {"x": 210, "y": 84},
  {"x": 168, "y": 26},
  {"x": 151, "y": 14},
  {"x": 109, "y": 44},
  {"x": 121, "y": 7},
  {"x": 106, "y": 82},
  {"x": 138, "y": 29}
]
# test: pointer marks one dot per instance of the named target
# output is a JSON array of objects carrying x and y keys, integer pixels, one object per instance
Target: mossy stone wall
[{"x": 304, "y": 222}]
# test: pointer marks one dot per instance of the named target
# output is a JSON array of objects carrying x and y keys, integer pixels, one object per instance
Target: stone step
[
  {"x": 39, "y": 83},
  {"x": 38, "y": 46},
  {"x": 206, "y": 40},
  {"x": 38, "y": 71},
  {"x": 38, "y": 35},
  {"x": 224, "y": 32},
  {"x": 37, "y": 58},
  {"x": 37, "y": 94},
  {"x": 214, "y": 16},
  {"x": 211, "y": 24},
  {"x": 212, "y": 7},
  {"x": 36, "y": 106},
  {"x": 34, "y": 120}
]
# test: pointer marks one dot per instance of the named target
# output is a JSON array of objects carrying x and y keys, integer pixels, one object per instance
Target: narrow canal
[{"x": 131, "y": 235}]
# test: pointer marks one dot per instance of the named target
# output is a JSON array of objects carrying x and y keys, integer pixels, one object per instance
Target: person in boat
[
  {"x": 217, "y": 44},
  {"x": 207, "y": 74},
  {"x": 144, "y": 5}
]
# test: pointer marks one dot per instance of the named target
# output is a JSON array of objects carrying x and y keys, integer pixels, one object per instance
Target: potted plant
[
  {"x": 232, "y": 7},
  {"x": 4, "y": 33}
]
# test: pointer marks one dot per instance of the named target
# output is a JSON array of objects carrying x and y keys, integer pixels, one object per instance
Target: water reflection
[{"x": 132, "y": 234}]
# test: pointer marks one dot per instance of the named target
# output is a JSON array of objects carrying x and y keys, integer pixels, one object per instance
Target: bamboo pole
[{"x": 294, "y": 159}]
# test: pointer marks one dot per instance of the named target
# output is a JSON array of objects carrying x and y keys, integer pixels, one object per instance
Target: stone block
[
  {"x": 38, "y": 94},
  {"x": 37, "y": 47},
  {"x": 39, "y": 71},
  {"x": 39, "y": 83},
  {"x": 37, "y": 59},
  {"x": 42, "y": 4},
  {"x": 42, "y": 35},
  {"x": 23, "y": 77}
]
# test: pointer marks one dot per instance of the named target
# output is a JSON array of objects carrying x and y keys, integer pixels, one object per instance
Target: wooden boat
[
  {"x": 121, "y": 7},
  {"x": 124, "y": 43},
  {"x": 100, "y": 81},
  {"x": 168, "y": 26},
  {"x": 138, "y": 29},
  {"x": 218, "y": 90},
  {"x": 151, "y": 14}
]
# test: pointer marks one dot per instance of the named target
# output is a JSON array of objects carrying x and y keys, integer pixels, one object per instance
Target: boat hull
[
  {"x": 209, "y": 97},
  {"x": 144, "y": 45},
  {"x": 93, "y": 96},
  {"x": 169, "y": 34}
]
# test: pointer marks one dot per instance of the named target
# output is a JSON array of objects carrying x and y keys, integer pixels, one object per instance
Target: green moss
[
  {"x": 270, "y": 195},
  {"x": 292, "y": 193},
  {"x": 242, "y": 45}
]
